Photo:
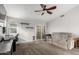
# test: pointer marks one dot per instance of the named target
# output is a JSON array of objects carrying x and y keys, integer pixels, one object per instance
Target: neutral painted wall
[
  {"x": 2, "y": 19},
  {"x": 68, "y": 23},
  {"x": 26, "y": 35},
  {"x": 2, "y": 9},
  {"x": 2, "y": 12}
]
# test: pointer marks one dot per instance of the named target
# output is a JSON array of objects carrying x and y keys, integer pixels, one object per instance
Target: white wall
[
  {"x": 2, "y": 20},
  {"x": 2, "y": 9},
  {"x": 26, "y": 35},
  {"x": 68, "y": 23}
]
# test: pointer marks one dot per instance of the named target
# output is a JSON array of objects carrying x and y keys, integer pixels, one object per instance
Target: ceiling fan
[{"x": 44, "y": 8}]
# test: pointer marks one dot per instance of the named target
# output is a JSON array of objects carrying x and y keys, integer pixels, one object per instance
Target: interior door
[{"x": 40, "y": 31}]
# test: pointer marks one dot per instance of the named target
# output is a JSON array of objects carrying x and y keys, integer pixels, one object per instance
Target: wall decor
[
  {"x": 13, "y": 25},
  {"x": 13, "y": 30}
]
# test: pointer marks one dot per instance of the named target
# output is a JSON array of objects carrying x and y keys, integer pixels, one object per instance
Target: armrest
[{"x": 5, "y": 46}]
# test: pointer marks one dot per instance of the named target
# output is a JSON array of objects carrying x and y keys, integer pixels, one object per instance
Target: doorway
[{"x": 40, "y": 32}]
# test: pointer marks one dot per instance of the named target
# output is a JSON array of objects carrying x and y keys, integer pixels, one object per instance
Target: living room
[{"x": 24, "y": 31}]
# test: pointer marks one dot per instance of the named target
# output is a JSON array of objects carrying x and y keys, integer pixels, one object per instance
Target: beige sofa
[
  {"x": 5, "y": 46},
  {"x": 62, "y": 39}
]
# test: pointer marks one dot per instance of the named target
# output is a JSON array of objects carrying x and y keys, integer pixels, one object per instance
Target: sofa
[
  {"x": 63, "y": 40},
  {"x": 7, "y": 44}
]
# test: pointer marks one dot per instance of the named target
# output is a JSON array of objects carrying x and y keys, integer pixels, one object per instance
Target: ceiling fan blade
[
  {"x": 42, "y": 14},
  {"x": 49, "y": 12},
  {"x": 51, "y": 8},
  {"x": 43, "y": 6},
  {"x": 38, "y": 10}
]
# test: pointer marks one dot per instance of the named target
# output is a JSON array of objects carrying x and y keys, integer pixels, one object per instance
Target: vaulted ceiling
[{"x": 26, "y": 11}]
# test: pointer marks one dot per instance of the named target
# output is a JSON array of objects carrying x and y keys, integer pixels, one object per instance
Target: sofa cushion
[{"x": 5, "y": 46}]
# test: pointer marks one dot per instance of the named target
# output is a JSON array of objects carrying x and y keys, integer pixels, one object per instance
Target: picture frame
[{"x": 13, "y": 30}]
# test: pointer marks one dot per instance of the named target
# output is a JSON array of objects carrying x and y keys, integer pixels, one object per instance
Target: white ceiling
[{"x": 26, "y": 11}]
